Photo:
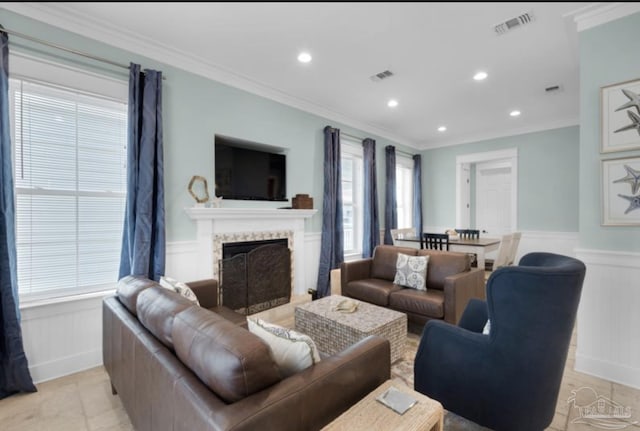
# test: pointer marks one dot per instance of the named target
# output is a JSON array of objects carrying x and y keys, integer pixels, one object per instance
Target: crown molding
[
  {"x": 601, "y": 13},
  {"x": 467, "y": 139},
  {"x": 62, "y": 16}
]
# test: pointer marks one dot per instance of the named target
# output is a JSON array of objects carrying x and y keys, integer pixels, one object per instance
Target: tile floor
[{"x": 83, "y": 402}]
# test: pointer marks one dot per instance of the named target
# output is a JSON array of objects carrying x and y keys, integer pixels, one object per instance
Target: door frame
[{"x": 510, "y": 156}]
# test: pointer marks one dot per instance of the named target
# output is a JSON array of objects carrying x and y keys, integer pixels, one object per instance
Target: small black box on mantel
[{"x": 302, "y": 202}]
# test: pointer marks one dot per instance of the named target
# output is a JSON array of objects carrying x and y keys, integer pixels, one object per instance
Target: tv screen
[{"x": 249, "y": 174}]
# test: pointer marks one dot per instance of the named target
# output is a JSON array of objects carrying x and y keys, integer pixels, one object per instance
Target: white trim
[
  {"x": 25, "y": 303},
  {"x": 602, "y": 13},
  {"x": 608, "y": 370},
  {"x": 85, "y": 25},
  {"x": 472, "y": 138},
  {"x": 606, "y": 258},
  {"x": 247, "y": 213},
  {"x": 66, "y": 365}
]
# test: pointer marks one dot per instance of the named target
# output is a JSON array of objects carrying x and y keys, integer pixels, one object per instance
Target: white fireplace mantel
[{"x": 215, "y": 221}]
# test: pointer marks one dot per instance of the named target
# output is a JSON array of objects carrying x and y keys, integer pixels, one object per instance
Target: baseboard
[
  {"x": 618, "y": 373},
  {"x": 65, "y": 366}
]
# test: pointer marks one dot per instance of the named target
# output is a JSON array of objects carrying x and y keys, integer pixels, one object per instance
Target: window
[
  {"x": 70, "y": 185},
  {"x": 404, "y": 191},
  {"x": 352, "y": 191}
]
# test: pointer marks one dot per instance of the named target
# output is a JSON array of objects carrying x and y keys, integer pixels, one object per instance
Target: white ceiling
[{"x": 433, "y": 49}]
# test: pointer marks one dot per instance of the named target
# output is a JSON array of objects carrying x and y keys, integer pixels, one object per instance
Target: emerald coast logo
[{"x": 600, "y": 412}]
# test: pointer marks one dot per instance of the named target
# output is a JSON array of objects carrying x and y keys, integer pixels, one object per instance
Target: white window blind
[
  {"x": 352, "y": 197},
  {"x": 404, "y": 191},
  {"x": 70, "y": 184}
]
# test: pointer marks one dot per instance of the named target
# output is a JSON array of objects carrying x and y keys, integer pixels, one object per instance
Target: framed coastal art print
[
  {"x": 621, "y": 192},
  {"x": 620, "y": 115}
]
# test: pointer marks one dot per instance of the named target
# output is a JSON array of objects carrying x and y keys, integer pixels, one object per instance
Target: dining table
[{"x": 478, "y": 246}]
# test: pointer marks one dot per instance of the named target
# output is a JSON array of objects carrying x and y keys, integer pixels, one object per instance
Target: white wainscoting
[
  {"x": 312, "y": 241},
  {"x": 63, "y": 338},
  {"x": 608, "y": 343}
]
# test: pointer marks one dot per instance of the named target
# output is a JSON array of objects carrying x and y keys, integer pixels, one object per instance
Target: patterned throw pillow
[
  {"x": 411, "y": 271},
  {"x": 180, "y": 288},
  {"x": 292, "y": 351}
]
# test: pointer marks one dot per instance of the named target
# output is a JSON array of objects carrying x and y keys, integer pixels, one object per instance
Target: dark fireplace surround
[{"x": 255, "y": 275}]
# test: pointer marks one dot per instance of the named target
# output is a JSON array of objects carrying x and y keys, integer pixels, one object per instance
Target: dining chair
[
  {"x": 434, "y": 241},
  {"x": 515, "y": 241},
  {"x": 408, "y": 232},
  {"x": 502, "y": 259}
]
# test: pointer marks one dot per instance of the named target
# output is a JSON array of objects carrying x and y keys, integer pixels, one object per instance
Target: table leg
[{"x": 480, "y": 254}]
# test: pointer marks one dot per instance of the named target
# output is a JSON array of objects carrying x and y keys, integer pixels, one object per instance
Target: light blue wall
[
  {"x": 609, "y": 54},
  {"x": 547, "y": 179},
  {"x": 197, "y": 108}
]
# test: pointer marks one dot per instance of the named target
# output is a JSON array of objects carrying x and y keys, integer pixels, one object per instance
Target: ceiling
[{"x": 433, "y": 50}]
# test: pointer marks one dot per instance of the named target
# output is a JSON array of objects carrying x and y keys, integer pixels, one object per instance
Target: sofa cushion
[
  {"x": 157, "y": 308},
  {"x": 129, "y": 288},
  {"x": 411, "y": 271},
  {"x": 231, "y": 361},
  {"x": 372, "y": 290},
  {"x": 428, "y": 303},
  {"x": 292, "y": 350},
  {"x": 442, "y": 264}
]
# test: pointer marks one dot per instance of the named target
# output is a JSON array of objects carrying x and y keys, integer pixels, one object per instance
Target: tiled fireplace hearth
[{"x": 217, "y": 226}]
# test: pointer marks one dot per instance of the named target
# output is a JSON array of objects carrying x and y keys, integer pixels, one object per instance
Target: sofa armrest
[
  {"x": 314, "y": 397},
  {"x": 355, "y": 270},
  {"x": 459, "y": 289},
  {"x": 206, "y": 291}
]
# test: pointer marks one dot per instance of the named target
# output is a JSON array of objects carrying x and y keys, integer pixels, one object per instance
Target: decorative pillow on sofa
[
  {"x": 179, "y": 287},
  {"x": 411, "y": 271},
  {"x": 292, "y": 351}
]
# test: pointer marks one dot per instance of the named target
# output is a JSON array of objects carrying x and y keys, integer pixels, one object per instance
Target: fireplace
[
  {"x": 217, "y": 226},
  {"x": 255, "y": 275}
]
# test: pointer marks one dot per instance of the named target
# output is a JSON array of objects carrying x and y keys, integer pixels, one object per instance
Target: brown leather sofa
[
  {"x": 451, "y": 282},
  {"x": 180, "y": 367}
]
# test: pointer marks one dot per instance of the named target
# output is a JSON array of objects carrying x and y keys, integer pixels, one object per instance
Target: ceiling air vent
[
  {"x": 553, "y": 89},
  {"x": 382, "y": 75},
  {"x": 512, "y": 23}
]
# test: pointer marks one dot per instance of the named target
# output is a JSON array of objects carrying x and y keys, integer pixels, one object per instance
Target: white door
[{"x": 493, "y": 198}]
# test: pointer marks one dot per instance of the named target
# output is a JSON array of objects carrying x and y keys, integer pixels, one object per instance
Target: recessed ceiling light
[
  {"x": 304, "y": 57},
  {"x": 392, "y": 103},
  {"x": 442, "y": 129},
  {"x": 480, "y": 76},
  {"x": 514, "y": 113}
]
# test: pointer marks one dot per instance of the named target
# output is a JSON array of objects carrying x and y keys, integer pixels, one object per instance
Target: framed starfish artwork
[
  {"x": 620, "y": 114},
  {"x": 621, "y": 192}
]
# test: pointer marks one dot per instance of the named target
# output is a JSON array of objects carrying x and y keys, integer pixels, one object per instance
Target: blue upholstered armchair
[{"x": 509, "y": 379}]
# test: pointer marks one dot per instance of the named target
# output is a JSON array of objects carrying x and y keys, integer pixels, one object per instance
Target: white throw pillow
[
  {"x": 487, "y": 327},
  {"x": 292, "y": 351},
  {"x": 180, "y": 288},
  {"x": 411, "y": 271}
]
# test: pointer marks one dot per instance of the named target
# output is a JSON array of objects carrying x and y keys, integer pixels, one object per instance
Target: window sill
[
  {"x": 352, "y": 256},
  {"x": 34, "y": 303}
]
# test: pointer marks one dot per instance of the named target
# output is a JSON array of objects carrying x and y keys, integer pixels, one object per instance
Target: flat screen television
[{"x": 246, "y": 173}]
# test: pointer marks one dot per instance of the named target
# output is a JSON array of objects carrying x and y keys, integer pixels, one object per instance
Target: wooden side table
[{"x": 370, "y": 415}]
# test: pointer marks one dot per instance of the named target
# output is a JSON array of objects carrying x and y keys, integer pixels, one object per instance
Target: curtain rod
[
  {"x": 64, "y": 48},
  {"x": 357, "y": 138}
]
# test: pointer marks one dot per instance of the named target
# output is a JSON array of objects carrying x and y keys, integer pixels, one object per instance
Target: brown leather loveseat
[
  {"x": 451, "y": 282},
  {"x": 182, "y": 367}
]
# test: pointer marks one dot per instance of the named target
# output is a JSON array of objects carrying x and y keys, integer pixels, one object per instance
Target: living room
[{"x": 559, "y": 205}]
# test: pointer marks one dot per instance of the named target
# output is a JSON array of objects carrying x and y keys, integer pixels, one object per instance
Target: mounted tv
[{"x": 249, "y": 171}]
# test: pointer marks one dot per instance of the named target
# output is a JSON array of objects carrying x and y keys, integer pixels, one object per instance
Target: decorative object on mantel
[
  {"x": 620, "y": 111},
  {"x": 621, "y": 192},
  {"x": 216, "y": 202},
  {"x": 302, "y": 202},
  {"x": 198, "y": 190}
]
